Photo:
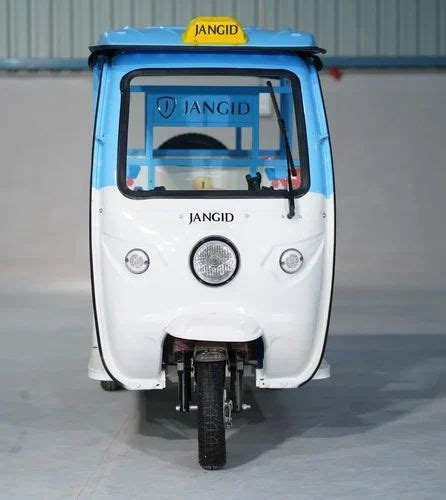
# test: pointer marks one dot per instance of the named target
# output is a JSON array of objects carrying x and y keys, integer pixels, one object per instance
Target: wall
[{"x": 388, "y": 140}]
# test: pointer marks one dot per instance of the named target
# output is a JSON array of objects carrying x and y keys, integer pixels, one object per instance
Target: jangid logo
[
  {"x": 166, "y": 106},
  {"x": 215, "y": 29},
  {"x": 211, "y": 217},
  {"x": 215, "y": 107}
]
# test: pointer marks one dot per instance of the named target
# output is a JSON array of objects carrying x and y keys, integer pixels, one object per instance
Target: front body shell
[{"x": 134, "y": 313}]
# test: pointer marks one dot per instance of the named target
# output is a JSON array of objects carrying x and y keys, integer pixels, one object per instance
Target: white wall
[{"x": 388, "y": 135}]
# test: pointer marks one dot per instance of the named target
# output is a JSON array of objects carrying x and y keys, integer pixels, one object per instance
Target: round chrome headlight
[
  {"x": 291, "y": 261},
  {"x": 214, "y": 261},
  {"x": 137, "y": 261}
]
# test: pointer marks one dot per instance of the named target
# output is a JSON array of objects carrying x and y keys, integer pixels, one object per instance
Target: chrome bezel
[
  {"x": 223, "y": 240},
  {"x": 301, "y": 260},
  {"x": 127, "y": 259}
]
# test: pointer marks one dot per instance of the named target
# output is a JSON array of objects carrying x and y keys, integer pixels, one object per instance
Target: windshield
[{"x": 190, "y": 135}]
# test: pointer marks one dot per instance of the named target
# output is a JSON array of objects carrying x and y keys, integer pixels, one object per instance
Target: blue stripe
[
  {"x": 385, "y": 62},
  {"x": 43, "y": 64},
  {"x": 329, "y": 62}
]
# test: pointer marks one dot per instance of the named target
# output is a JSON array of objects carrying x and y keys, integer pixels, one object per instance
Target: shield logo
[{"x": 166, "y": 106}]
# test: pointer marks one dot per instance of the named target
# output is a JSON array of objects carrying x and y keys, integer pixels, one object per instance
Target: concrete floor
[{"x": 376, "y": 429}]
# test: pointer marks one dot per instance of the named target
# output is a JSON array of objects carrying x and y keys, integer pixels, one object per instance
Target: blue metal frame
[{"x": 179, "y": 96}]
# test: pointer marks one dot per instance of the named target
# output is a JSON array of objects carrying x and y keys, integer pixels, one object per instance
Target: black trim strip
[
  {"x": 203, "y": 194},
  {"x": 204, "y": 48},
  {"x": 93, "y": 296},
  {"x": 334, "y": 246}
]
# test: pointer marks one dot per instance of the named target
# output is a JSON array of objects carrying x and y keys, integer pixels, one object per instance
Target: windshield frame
[{"x": 301, "y": 133}]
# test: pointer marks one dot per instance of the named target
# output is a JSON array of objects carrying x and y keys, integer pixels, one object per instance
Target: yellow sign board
[{"x": 214, "y": 31}]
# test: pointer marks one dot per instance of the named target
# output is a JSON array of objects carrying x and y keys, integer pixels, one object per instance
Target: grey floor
[{"x": 376, "y": 429}]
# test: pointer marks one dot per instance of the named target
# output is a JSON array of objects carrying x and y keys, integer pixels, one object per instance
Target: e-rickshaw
[{"x": 212, "y": 226}]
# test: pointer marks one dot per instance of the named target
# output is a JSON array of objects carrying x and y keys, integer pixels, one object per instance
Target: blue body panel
[{"x": 106, "y": 136}]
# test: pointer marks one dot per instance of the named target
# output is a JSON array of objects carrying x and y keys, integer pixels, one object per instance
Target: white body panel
[{"x": 135, "y": 312}]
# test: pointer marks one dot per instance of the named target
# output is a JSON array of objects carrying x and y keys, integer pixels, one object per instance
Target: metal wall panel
[
  {"x": 441, "y": 27},
  {"x": 39, "y": 27},
  {"x": 63, "y": 29},
  {"x": 427, "y": 28},
  {"x": 82, "y": 26},
  {"x": 387, "y": 20},
  {"x": 408, "y": 27},
  {"x": 367, "y": 16},
  {"x": 348, "y": 27},
  {"x": 328, "y": 26},
  {"x": 4, "y": 30},
  {"x": 19, "y": 28}
]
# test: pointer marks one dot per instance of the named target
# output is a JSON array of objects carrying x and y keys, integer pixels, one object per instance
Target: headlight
[
  {"x": 214, "y": 261},
  {"x": 137, "y": 261},
  {"x": 291, "y": 261}
]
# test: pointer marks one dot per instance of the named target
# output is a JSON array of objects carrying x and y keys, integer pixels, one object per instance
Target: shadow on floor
[{"x": 375, "y": 380}]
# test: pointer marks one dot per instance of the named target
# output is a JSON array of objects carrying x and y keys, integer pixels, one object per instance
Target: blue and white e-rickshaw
[{"x": 212, "y": 215}]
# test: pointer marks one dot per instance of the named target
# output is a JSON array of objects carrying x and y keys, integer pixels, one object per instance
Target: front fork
[
  {"x": 236, "y": 365},
  {"x": 188, "y": 352},
  {"x": 184, "y": 368}
]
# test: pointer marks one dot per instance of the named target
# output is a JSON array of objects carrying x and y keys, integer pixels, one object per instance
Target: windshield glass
[{"x": 195, "y": 134}]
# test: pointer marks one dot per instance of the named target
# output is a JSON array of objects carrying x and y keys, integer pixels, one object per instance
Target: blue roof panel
[{"x": 170, "y": 36}]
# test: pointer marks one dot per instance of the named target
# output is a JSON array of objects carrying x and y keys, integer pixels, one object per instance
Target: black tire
[
  {"x": 110, "y": 385},
  {"x": 192, "y": 141},
  {"x": 210, "y": 379}
]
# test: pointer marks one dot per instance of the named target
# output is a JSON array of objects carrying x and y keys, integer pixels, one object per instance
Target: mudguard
[{"x": 217, "y": 327}]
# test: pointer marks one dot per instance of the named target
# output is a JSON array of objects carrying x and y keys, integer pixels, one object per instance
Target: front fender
[{"x": 218, "y": 327}]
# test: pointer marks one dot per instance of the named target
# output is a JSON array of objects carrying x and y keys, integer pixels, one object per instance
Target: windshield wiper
[{"x": 291, "y": 169}]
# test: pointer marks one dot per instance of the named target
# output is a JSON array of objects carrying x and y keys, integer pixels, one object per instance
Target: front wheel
[
  {"x": 210, "y": 379},
  {"x": 110, "y": 385}
]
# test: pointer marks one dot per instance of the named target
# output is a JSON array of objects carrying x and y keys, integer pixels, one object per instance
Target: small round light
[
  {"x": 214, "y": 261},
  {"x": 291, "y": 261},
  {"x": 137, "y": 261}
]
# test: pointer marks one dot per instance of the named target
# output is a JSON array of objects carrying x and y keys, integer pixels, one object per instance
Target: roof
[{"x": 170, "y": 37}]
